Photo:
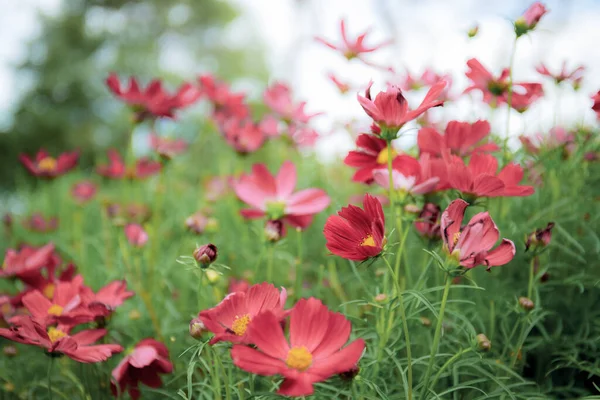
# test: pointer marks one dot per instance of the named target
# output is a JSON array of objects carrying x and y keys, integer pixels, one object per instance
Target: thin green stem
[
  {"x": 50, "y": 364},
  {"x": 299, "y": 266},
  {"x": 390, "y": 155},
  {"x": 531, "y": 277},
  {"x": 270, "y": 263},
  {"x": 448, "y": 363},
  {"x": 404, "y": 327},
  {"x": 436, "y": 338},
  {"x": 520, "y": 342}
]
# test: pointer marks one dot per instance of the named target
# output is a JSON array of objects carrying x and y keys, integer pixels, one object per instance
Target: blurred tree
[{"x": 69, "y": 106}]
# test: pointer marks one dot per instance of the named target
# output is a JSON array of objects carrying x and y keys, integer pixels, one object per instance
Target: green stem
[
  {"x": 404, "y": 327},
  {"x": 270, "y": 264},
  {"x": 403, "y": 234},
  {"x": 531, "y": 277},
  {"x": 50, "y": 364},
  {"x": 448, "y": 363},
  {"x": 436, "y": 338},
  {"x": 391, "y": 196},
  {"x": 299, "y": 266},
  {"x": 520, "y": 342}
]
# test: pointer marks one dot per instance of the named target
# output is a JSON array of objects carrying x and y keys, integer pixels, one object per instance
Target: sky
[{"x": 425, "y": 33}]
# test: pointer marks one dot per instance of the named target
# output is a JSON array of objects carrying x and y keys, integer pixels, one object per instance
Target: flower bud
[
  {"x": 471, "y": 33},
  {"x": 213, "y": 276},
  {"x": 425, "y": 321},
  {"x": 530, "y": 18},
  {"x": 350, "y": 374},
  {"x": 197, "y": 328},
  {"x": 483, "y": 343},
  {"x": 9, "y": 351},
  {"x": 381, "y": 297},
  {"x": 274, "y": 230},
  {"x": 526, "y": 303},
  {"x": 205, "y": 254},
  {"x": 540, "y": 238}
]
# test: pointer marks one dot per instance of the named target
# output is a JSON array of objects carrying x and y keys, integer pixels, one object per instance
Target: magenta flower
[
  {"x": 136, "y": 235},
  {"x": 274, "y": 197}
]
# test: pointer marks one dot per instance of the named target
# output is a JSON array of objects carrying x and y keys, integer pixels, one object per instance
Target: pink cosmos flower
[
  {"x": 407, "y": 176},
  {"x": 107, "y": 299},
  {"x": 460, "y": 138},
  {"x": 596, "y": 106},
  {"x": 148, "y": 359},
  {"x": 36, "y": 222},
  {"x": 530, "y": 18},
  {"x": 472, "y": 245},
  {"x": 343, "y": 87},
  {"x": 274, "y": 197},
  {"x": 83, "y": 191},
  {"x": 390, "y": 108},
  {"x": 153, "y": 101},
  {"x": 315, "y": 350},
  {"x": 117, "y": 169},
  {"x": 278, "y": 97},
  {"x": 57, "y": 340},
  {"x": 46, "y": 166},
  {"x": 230, "y": 319},
  {"x": 244, "y": 136},
  {"x": 26, "y": 261},
  {"x": 371, "y": 153},
  {"x": 574, "y": 76},
  {"x": 136, "y": 235},
  {"x": 352, "y": 48},
  {"x": 427, "y": 79},
  {"x": 556, "y": 137},
  {"x": 481, "y": 178},
  {"x": 167, "y": 148},
  {"x": 524, "y": 95}
]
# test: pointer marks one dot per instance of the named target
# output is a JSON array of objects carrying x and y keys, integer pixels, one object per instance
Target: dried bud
[
  {"x": 350, "y": 374},
  {"x": 471, "y": 33},
  {"x": 380, "y": 272},
  {"x": 526, "y": 303},
  {"x": 381, "y": 297},
  {"x": 197, "y": 328},
  {"x": 483, "y": 343},
  {"x": 196, "y": 222},
  {"x": 274, "y": 230},
  {"x": 540, "y": 238},
  {"x": 134, "y": 315},
  {"x": 428, "y": 222},
  {"x": 206, "y": 254},
  {"x": 9, "y": 351},
  {"x": 425, "y": 321}
]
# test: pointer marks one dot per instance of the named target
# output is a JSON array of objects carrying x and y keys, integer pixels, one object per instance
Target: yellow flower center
[
  {"x": 299, "y": 358},
  {"x": 368, "y": 241},
  {"x": 55, "y": 334},
  {"x": 55, "y": 310},
  {"x": 382, "y": 157},
  {"x": 47, "y": 164},
  {"x": 455, "y": 238},
  {"x": 240, "y": 324},
  {"x": 49, "y": 290}
]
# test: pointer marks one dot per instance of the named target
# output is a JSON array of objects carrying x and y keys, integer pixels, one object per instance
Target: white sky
[{"x": 426, "y": 33}]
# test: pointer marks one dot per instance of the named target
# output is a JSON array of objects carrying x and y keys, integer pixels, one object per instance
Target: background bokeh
[{"x": 55, "y": 55}]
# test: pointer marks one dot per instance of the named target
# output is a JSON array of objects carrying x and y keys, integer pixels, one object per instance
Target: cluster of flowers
[
  {"x": 255, "y": 321},
  {"x": 56, "y": 311}
]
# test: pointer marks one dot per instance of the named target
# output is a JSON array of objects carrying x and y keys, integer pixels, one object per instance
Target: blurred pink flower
[{"x": 136, "y": 235}]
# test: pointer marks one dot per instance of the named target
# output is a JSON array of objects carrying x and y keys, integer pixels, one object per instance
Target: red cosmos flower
[
  {"x": 357, "y": 234},
  {"x": 480, "y": 178},
  {"x": 244, "y": 136},
  {"x": 407, "y": 176},
  {"x": 471, "y": 245},
  {"x": 148, "y": 359},
  {"x": 557, "y": 137},
  {"x": 524, "y": 95},
  {"x": 46, "y": 166},
  {"x": 230, "y": 319},
  {"x": 167, "y": 148},
  {"x": 371, "y": 154},
  {"x": 278, "y": 97},
  {"x": 26, "y": 261},
  {"x": 596, "y": 105},
  {"x": 352, "y": 48},
  {"x": 428, "y": 222},
  {"x": 107, "y": 299},
  {"x": 198, "y": 222},
  {"x": 427, "y": 79},
  {"x": 57, "y": 340},
  {"x": 66, "y": 306},
  {"x": 116, "y": 169},
  {"x": 314, "y": 352},
  {"x": 83, "y": 191},
  {"x": 530, "y": 18},
  {"x": 273, "y": 196},
  {"x": 461, "y": 138},
  {"x": 136, "y": 235},
  {"x": 574, "y": 76},
  {"x": 390, "y": 108},
  {"x": 154, "y": 101},
  {"x": 36, "y": 222}
]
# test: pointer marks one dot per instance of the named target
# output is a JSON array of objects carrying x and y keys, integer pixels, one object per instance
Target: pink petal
[
  {"x": 307, "y": 201},
  {"x": 286, "y": 180},
  {"x": 502, "y": 254}
]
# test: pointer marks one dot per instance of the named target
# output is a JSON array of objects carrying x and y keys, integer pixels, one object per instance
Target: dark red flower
[
  {"x": 116, "y": 168},
  {"x": 46, "y": 166},
  {"x": 26, "y": 261},
  {"x": 428, "y": 221},
  {"x": 206, "y": 254},
  {"x": 357, "y": 234},
  {"x": 153, "y": 101},
  {"x": 472, "y": 245},
  {"x": 229, "y": 320},
  {"x": 107, "y": 299},
  {"x": 596, "y": 105},
  {"x": 83, "y": 191},
  {"x": 36, "y": 222},
  {"x": 371, "y": 153},
  {"x": 57, "y": 340},
  {"x": 315, "y": 351},
  {"x": 144, "y": 364},
  {"x": 460, "y": 138}
]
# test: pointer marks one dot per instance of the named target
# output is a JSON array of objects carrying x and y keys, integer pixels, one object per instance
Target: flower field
[{"x": 241, "y": 266}]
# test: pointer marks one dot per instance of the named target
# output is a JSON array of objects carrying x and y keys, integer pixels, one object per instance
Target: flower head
[
  {"x": 315, "y": 350},
  {"x": 107, "y": 299},
  {"x": 230, "y": 319},
  {"x": 371, "y": 153},
  {"x": 46, "y": 166},
  {"x": 596, "y": 105},
  {"x": 167, "y": 148},
  {"x": 136, "y": 235},
  {"x": 36, "y": 222},
  {"x": 357, "y": 233},
  {"x": 472, "y": 245},
  {"x": 540, "y": 238},
  {"x": 26, "y": 261},
  {"x": 460, "y": 138},
  {"x": 407, "y": 177},
  {"x": 575, "y": 76},
  {"x": 530, "y": 18},
  {"x": 144, "y": 364},
  {"x": 428, "y": 221},
  {"x": 117, "y": 169},
  {"x": 83, "y": 191},
  {"x": 274, "y": 197},
  {"x": 352, "y": 48},
  {"x": 205, "y": 254}
]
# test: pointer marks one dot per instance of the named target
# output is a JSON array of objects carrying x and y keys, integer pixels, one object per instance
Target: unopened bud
[
  {"x": 483, "y": 343},
  {"x": 197, "y": 328},
  {"x": 205, "y": 254},
  {"x": 274, "y": 230},
  {"x": 473, "y": 31},
  {"x": 9, "y": 351},
  {"x": 350, "y": 374},
  {"x": 425, "y": 321},
  {"x": 526, "y": 303},
  {"x": 381, "y": 297},
  {"x": 213, "y": 276}
]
